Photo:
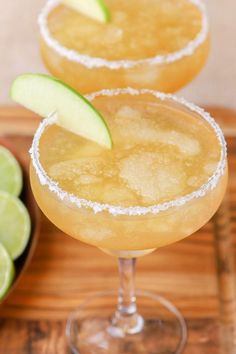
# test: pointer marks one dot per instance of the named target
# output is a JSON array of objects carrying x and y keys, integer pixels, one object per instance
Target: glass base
[{"x": 90, "y": 329}]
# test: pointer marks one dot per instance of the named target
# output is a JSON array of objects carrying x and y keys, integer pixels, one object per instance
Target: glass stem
[{"x": 126, "y": 319}]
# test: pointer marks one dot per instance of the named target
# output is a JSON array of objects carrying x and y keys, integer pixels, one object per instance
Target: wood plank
[
  {"x": 47, "y": 337},
  {"x": 17, "y": 120}
]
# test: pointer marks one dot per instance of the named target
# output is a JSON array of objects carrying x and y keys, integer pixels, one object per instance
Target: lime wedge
[
  {"x": 14, "y": 224},
  {"x": 95, "y": 9},
  {"x": 10, "y": 173},
  {"x": 7, "y": 271},
  {"x": 44, "y": 95}
]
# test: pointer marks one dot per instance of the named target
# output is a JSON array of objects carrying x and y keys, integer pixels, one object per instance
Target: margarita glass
[
  {"x": 164, "y": 179},
  {"x": 162, "y": 46}
]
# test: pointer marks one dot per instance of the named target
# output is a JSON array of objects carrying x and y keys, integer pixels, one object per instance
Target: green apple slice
[
  {"x": 96, "y": 9},
  {"x": 7, "y": 271},
  {"x": 44, "y": 95}
]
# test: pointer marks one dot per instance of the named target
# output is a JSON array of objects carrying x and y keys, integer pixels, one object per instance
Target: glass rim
[
  {"x": 154, "y": 209},
  {"x": 97, "y": 62}
]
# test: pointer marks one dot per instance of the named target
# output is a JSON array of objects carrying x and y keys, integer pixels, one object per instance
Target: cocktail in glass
[
  {"x": 164, "y": 179},
  {"x": 160, "y": 45}
]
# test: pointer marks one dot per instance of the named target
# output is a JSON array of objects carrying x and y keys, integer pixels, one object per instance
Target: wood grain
[
  {"x": 226, "y": 277},
  {"x": 63, "y": 271}
]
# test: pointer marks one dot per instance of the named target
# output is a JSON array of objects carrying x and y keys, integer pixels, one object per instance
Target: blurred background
[{"x": 216, "y": 84}]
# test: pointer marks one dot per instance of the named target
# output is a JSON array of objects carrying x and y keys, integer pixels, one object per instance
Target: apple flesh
[
  {"x": 45, "y": 95},
  {"x": 95, "y": 9}
]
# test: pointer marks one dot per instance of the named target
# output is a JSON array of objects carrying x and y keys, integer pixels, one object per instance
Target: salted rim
[
  {"x": 94, "y": 62},
  {"x": 133, "y": 210}
]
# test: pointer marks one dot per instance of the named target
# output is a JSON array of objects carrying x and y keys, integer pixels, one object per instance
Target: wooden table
[{"x": 63, "y": 271}]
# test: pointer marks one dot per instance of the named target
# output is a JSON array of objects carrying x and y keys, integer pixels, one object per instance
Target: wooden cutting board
[{"x": 63, "y": 271}]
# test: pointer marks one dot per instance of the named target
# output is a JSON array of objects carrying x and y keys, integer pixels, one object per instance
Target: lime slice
[
  {"x": 7, "y": 271},
  {"x": 14, "y": 224},
  {"x": 44, "y": 95},
  {"x": 10, "y": 173},
  {"x": 95, "y": 9}
]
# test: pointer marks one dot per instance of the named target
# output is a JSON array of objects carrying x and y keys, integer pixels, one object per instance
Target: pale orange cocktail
[
  {"x": 158, "y": 44},
  {"x": 162, "y": 180},
  {"x": 160, "y": 183}
]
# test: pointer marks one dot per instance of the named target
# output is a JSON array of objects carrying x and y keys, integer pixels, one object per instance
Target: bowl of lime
[{"x": 19, "y": 219}]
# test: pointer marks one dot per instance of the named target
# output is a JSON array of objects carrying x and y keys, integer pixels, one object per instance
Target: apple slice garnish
[
  {"x": 44, "y": 95},
  {"x": 95, "y": 9}
]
